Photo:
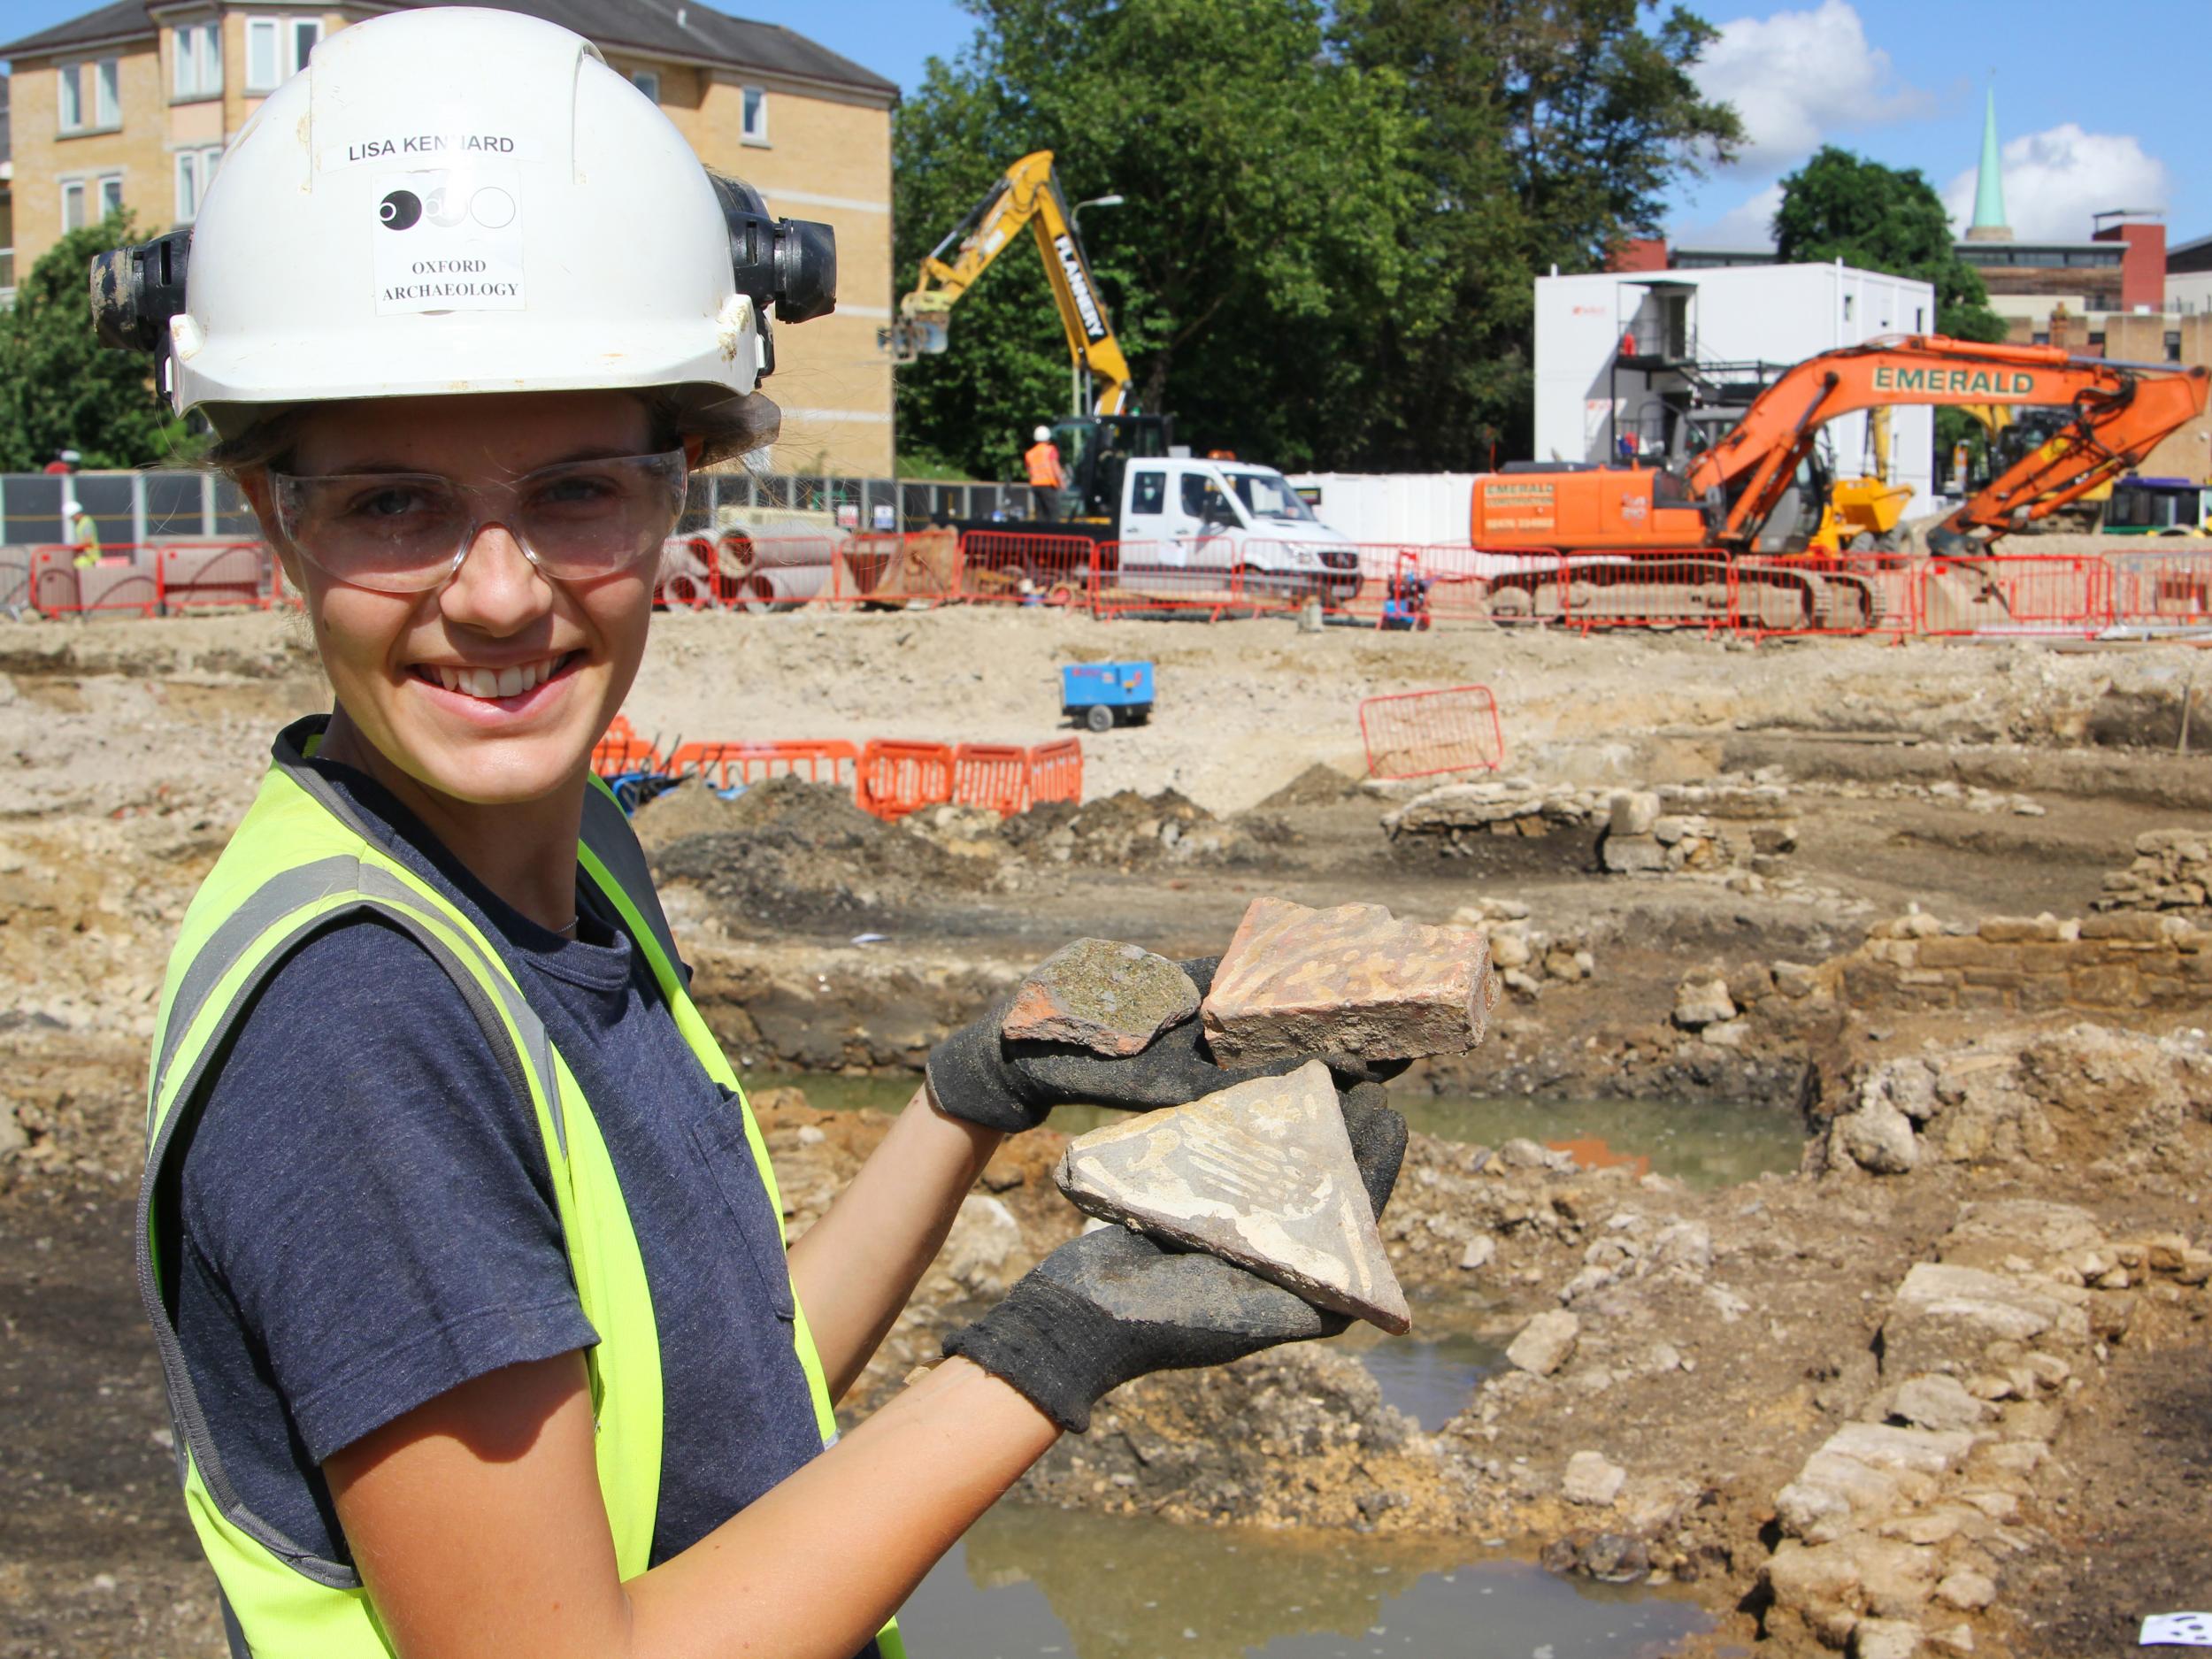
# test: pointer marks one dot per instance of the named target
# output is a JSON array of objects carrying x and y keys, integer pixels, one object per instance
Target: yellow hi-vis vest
[{"x": 300, "y": 861}]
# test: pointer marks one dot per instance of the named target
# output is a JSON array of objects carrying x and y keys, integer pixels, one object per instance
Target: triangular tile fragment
[
  {"x": 1110, "y": 998},
  {"x": 1261, "y": 1174}
]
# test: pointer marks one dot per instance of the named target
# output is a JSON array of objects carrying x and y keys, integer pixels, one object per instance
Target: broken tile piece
[
  {"x": 1261, "y": 1174},
  {"x": 1346, "y": 981},
  {"x": 1110, "y": 998}
]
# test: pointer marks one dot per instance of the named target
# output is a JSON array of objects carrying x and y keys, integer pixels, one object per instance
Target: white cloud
[
  {"x": 1797, "y": 77},
  {"x": 2054, "y": 179},
  {"x": 1749, "y": 224}
]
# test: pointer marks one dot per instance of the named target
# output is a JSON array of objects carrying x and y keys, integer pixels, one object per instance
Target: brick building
[{"x": 131, "y": 106}]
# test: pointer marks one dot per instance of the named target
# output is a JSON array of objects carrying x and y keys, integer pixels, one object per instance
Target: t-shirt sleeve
[{"x": 369, "y": 1186}]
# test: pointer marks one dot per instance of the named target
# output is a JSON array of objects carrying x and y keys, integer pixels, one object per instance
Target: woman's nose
[{"x": 497, "y": 588}]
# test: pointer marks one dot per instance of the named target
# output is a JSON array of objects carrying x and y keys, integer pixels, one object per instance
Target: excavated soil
[{"x": 1964, "y": 781}]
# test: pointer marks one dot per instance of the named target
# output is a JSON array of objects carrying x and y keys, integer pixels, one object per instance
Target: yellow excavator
[
  {"x": 1095, "y": 447},
  {"x": 1862, "y": 513}
]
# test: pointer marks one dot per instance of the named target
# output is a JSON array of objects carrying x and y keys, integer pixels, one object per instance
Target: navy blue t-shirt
[{"x": 368, "y": 1218}]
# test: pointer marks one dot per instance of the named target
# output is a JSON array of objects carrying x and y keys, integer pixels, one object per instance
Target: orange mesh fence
[
  {"x": 1843, "y": 593},
  {"x": 895, "y": 778},
  {"x": 621, "y": 751},
  {"x": 2020, "y": 595},
  {"x": 2160, "y": 590},
  {"x": 1213, "y": 575},
  {"x": 1414, "y": 733},
  {"x": 1027, "y": 567},
  {"x": 1056, "y": 770},
  {"x": 994, "y": 775},
  {"x": 829, "y": 760},
  {"x": 198, "y": 575},
  {"x": 120, "y": 583},
  {"x": 1647, "y": 590}
]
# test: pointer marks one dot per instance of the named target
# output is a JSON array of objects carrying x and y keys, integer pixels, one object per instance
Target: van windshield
[{"x": 1269, "y": 495}]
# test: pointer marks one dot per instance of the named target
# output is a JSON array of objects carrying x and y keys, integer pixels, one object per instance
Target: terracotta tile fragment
[{"x": 1346, "y": 981}]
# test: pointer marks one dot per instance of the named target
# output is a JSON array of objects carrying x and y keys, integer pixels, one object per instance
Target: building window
[
  {"x": 1920, "y": 319},
  {"x": 2096, "y": 341},
  {"x": 103, "y": 93},
  {"x": 277, "y": 48},
  {"x": 195, "y": 52},
  {"x": 2041, "y": 337},
  {"x": 111, "y": 194},
  {"x": 196, "y": 170},
  {"x": 1850, "y": 304},
  {"x": 756, "y": 116},
  {"x": 2173, "y": 345},
  {"x": 73, "y": 197},
  {"x": 648, "y": 81}
]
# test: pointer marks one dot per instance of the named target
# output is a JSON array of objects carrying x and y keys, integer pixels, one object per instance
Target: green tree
[
  {"x": 59, "y": 387},
  {"x": 1266, "y": 197},
  {"x": 1842, "y": 206},
  {"x": 1551, "y": 131}
]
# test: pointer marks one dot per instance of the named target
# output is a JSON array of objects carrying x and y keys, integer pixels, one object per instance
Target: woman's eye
[
  {"x": 574, "y": 491},
  {"x": 388, "y": 502}
]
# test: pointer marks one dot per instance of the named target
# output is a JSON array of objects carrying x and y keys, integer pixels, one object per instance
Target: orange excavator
[{"x": 1664, "y": 543}]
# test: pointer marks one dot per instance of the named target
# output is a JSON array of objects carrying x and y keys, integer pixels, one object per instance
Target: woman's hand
[
  {"x": 1113, "y": 1305},
  {"x": 977, "y": 1075}
]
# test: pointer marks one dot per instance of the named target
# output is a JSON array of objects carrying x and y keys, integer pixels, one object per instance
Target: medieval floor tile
[
  {"x": 1261, "y": 1174},
  {"x": 1110, "y": 998},
  {"x": 1346, "y": 981}
]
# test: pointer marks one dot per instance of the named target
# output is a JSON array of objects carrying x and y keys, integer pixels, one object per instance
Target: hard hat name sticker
[{"x": 450, "y": 240}]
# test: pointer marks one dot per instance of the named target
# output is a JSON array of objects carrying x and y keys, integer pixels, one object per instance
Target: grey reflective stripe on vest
[{"x": 378, "y": 893}]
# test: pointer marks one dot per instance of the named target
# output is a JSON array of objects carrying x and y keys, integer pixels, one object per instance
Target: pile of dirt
[
  {"x": 788, "y": 855},
  {"x": 1128, "y": 829},
  {"x": 1319, "y": 784}
]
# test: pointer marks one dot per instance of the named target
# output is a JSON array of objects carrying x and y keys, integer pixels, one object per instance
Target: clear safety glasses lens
[{"x": 404, "y": 533}]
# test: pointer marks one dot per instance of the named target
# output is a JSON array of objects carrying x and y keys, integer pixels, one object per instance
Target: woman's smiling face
[{"x": 491, "y": 688}]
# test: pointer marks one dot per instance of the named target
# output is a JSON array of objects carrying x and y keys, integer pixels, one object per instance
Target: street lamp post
[{"x": 1077, "y": 374}]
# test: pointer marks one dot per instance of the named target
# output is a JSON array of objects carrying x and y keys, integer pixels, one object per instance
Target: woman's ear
[
  {"x": 254, "y": 484},
  {"x": 695, "y": 446}
]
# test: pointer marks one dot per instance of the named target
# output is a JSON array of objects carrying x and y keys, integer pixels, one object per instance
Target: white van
[{"x": 1188, "y": 524}]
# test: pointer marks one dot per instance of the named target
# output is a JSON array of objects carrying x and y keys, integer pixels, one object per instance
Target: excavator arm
[
  {"x": 2120, "y": 412},
  {"x": 1028, "y": 194}
]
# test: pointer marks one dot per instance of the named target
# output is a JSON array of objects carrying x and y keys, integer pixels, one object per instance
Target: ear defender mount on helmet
[{"x": 789, "y": 263}]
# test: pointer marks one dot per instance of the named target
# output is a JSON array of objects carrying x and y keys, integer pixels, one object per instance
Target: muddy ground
[{"x": 1723, "y": 1338}]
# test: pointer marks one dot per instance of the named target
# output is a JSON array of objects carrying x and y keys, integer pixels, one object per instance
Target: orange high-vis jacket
[{"x": 1043, "y": 461}]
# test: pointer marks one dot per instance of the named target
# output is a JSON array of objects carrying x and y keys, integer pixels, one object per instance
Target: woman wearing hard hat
[{"x": 461, "y": 1247}]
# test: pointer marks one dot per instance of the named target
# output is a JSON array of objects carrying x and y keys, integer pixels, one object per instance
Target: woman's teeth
[{"x": 497, "y": 682}]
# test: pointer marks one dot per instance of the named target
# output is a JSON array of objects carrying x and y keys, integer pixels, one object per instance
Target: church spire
[{"x": 1989, "y": 188}]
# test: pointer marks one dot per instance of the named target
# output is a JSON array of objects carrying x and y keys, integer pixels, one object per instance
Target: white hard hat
[
  {"x": 1044, "y": 434},
  {"x": 459, "y": 199}
]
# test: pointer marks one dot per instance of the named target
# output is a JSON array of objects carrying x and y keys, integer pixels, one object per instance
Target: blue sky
[{"x": 2087, "y": 128}]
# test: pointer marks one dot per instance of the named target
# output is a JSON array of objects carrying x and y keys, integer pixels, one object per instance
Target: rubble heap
[{"x": 2172, "y": 871}]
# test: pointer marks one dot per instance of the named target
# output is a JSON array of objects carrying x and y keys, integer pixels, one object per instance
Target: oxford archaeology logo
[{"x": 454, "y": 242}]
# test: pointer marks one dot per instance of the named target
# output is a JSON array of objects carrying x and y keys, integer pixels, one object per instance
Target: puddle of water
[
  {"x": 1033, "y": 1581},
  {"x": 1703, "y": 1144},
  {"x": 1428, "y": 1378}
]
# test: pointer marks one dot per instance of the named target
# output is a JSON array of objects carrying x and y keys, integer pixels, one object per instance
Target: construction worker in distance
[
  {"x": 461, "y": 1247},
  {"x": 84, "y": 534},
  {"x": 1046, "y": 477}
]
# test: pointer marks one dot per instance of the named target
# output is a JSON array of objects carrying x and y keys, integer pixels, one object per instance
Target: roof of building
[
  {"x": 2185, "y": 258},
  {"x": 674, "y": 28}
]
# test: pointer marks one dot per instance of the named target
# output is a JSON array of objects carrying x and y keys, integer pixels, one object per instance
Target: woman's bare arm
[
  {"x": 854, "y": 1268},
  {"x": 477, "y": 1524}
]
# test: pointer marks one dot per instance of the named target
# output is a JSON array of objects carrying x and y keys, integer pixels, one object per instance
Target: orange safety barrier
[
  {"x": 2160, "y": 590},
  {"x": 192, "y": 575},
  {"x": 2012, "y": 594},
  {"x": 621, "y": 751},
  {"x": 994, "y": 775},
  {"x": 1056, "y": 770},
  {"x": 61, "y": 587},
  {"x": 1027, "y": 567},
  {"x": 1414, "y": 733},
  {"x": 895, "y": 778},
  {"x": 818, "y": 760}
]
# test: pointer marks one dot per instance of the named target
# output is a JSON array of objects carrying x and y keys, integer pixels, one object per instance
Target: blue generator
[{"x": 1102, "y": 696}]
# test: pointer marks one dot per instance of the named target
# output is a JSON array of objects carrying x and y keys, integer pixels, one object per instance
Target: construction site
[{"x": 1807, "y": 1250}]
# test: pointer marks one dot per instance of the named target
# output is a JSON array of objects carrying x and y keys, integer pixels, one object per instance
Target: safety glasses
[{"x": 407, "y": 533}]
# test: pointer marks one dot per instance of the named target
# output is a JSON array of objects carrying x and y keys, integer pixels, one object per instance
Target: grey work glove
[
  {"x": 1113, "y": 1304},
  {"x": 977, "y": 1075}
]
